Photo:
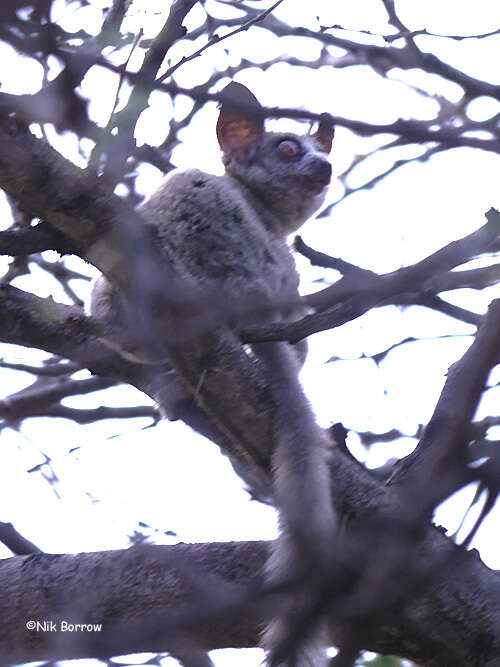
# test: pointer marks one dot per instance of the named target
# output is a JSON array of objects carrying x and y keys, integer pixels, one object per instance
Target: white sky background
[{"x": 113, "y": 475}]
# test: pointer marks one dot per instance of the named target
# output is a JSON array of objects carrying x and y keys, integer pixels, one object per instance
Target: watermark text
[{"x": 62, "y": 626}]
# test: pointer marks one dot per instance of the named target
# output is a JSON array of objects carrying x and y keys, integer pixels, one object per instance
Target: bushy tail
[{"x": 299, "y": 562}]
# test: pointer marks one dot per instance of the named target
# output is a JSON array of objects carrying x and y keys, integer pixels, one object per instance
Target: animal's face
[{"x": 288, "y": 173}]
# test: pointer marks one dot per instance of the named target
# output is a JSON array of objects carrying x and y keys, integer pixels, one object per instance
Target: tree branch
[
  {"x": 91, "y": 415},
  {"x": 52, "y": 368},
  {"x": 16, "y": 542},
  {"x": 472, "y": 279},
  {"x": 41, "y": 395},
  {"x": 355, "y": 294},
  {"x": 428, "y": 630},
  {"x": 126, "y": 119},
  {"x": 390, "y": 56},
  {"x": 437, "y": 463},
  {"x": 59, "y": 329},
  {"x": 27, "y": 241}
]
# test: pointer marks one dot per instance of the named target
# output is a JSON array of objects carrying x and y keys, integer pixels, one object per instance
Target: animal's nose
[{"x": 322, "y": 171}]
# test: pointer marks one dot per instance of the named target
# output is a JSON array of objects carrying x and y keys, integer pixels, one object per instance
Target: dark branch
[
  {"x": 388, "y": 57},
  {"x": 38, "y": 398},
  {"x": 16, "y": 542},
  {"x": 473, "y": 279},
  {"x": 35, "y": 239},
  {"x": 125, "y": 121},
  {"x": 91, "y": 415},
  {"x": 354, "y": 295},
  {"x": 437, "y": 464},
  {"x": 463, "y": 594},
  {"x": 53, "y": 367},
  {"x": 327, "y": 262}
]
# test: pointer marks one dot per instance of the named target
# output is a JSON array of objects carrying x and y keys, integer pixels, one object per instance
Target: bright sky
[{"x": 113, "y": 475}]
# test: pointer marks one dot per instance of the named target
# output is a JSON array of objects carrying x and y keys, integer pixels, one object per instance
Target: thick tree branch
[
  {"x": 31, "y": 321},
  {"x": 428, "y": 630}
]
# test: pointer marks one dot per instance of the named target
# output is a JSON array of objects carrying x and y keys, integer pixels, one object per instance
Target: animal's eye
[{"x": 289, "y": 148}]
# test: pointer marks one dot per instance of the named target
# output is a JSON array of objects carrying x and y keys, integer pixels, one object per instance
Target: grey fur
[{"x": 230, "y": 232}]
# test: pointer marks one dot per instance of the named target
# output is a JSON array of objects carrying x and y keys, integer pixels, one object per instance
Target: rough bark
[{"x": 145, "y": 596}]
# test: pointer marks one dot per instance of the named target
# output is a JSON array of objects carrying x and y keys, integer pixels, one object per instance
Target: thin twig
[
  {"x": 215, "y": 39},
  {"x": 98, "y": 148}
]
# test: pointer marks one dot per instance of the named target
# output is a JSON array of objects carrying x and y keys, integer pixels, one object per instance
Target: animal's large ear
[
  {"x": 240, "y": 125},
  {"x": 324, "y": 134}
]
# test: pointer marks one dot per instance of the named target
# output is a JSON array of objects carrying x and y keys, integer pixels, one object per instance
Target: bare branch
[
  {"x": 417, "y": 131},
  {"x": 215, "y": 39},
  {"x": 473, "y": 279},
  {"x": 58, "y": 102},
  {"x": 354, "y": 295},
  {"x": 326, "y": 261},
  {"x": 372, "y": 182},
  {"x": 53, "y": 368},
  {"x": 34, "y": 239},
  {"x": 127, "y": 118},
  {"x": 91, "y": 415},
  {"x": 107, "y": 137},
  {"x": 436, "y": 462},
  {"x": 388, "y": 57},
  {"x": 440, "y": 305},
  {"x": 41, "y": 395},
  {"x": 16, "y": 542},
  {"x": 377, "y": 357}
]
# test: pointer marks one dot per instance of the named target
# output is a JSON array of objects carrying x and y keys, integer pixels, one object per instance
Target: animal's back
[{"x": 217, "y": 229}]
